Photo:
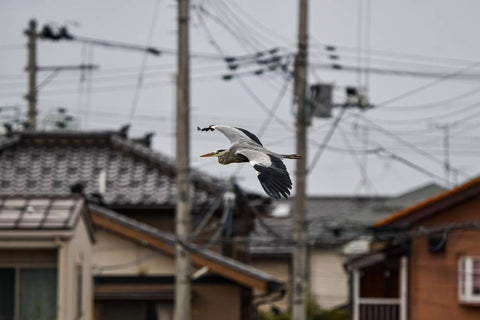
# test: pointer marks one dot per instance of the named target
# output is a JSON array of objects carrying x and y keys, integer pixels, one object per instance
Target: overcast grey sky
[{"x": 413, "y": 36}]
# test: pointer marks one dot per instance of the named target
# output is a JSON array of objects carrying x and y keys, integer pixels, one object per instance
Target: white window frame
[{"x": 465, "y": 280}]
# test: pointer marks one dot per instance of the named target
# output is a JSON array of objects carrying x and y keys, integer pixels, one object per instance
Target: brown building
[{"x": 425, "y": 263}]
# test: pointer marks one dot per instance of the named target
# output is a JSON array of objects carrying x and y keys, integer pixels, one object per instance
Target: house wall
[
  {"x": 162, "y": 220},
  {"x": 114, "y": 255},
  {"x": 76, "y": 252},
  {"x": 328, "y": 279},
  {"x": 280, "y": 269},
  {"x": 216, "y": 302},
  {"x": 211, "y": 301},
  {"x": 433, "y": 278}
]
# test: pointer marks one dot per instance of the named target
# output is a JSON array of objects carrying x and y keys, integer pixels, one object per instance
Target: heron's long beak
[{"x": 211, "y": 154}]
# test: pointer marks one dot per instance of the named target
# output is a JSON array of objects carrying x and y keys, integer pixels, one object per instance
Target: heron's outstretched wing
[
  {"x": 234, "y": 134},
  {"x": 271, "y": 171}
]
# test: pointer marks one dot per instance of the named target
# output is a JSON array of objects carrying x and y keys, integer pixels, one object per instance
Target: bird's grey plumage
[{"x": 246, "y": 147}]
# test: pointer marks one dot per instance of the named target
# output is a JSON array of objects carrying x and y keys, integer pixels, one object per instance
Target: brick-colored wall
[{"x": 433, "y": 278}]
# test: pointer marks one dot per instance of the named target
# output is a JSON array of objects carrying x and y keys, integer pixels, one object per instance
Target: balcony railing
[{"x": 379, "y": 309}]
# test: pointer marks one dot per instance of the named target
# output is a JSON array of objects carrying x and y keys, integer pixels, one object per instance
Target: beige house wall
[
  {"x": 328, "y": 279},
  {"x": 64, "y": 252},
  {"x": 115, "y": 255},
  {"x": 74, "y": 253}
]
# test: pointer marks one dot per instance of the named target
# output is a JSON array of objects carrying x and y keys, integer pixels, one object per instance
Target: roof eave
[{"x": 434, "y": 204}]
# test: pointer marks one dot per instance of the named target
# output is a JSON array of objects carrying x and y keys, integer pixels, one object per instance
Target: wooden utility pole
[
  {"x": 31, "y": 97},
  {"x": 299, "y": 310},
  {"x": 182, "y": 256},
  {"x": 446, "y": 150}
]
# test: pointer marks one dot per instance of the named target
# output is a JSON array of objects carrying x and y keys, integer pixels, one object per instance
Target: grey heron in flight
[{"x": 246, "y": 147}]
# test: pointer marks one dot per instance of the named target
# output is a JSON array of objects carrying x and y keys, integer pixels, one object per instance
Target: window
[
  {"x": 28, "y": 293},
  {"x": 469, "y": 279}
]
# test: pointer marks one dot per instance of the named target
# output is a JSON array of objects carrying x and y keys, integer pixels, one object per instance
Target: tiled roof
[
  {"x": 39, "y": 212},
  {"x": 51, "y": 162},
  {"x": 325, "y": 217},
  {"x": 331, "y": 221}
]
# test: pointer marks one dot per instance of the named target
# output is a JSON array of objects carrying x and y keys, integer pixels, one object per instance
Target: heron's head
[{"x": 214, "y": 153}]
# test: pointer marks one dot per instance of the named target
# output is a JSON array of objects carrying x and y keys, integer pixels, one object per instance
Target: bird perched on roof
[{"x": 246, "y": 147}]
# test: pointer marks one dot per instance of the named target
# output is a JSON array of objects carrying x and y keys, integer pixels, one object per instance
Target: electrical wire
[
  {"x": 410, "y": 145},
  {"x": 430, "y": 84},
  {"x": 361, "y": 166},
  {"x": 428, "y": 118},
  {"x": 436, "y": 104},
  {"x": 136, "y": 94},
  {"x": 329, "y": 134},
  {"x": 440, "y": 76},
  {"x": 403, "y": 56},
  {"x": 271, "y": 32}
]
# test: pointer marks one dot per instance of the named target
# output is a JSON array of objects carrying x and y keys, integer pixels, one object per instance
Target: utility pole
[
  {"x": 446, "y": 149},
  {"x": 32, "y": 74},
  {"x": 299, "y": 310},
  {"x": 182, "y": 256}
]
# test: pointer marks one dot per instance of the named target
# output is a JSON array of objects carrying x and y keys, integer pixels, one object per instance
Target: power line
[
  {"x": 427, "y": 118},
  {"x": 329, "y": 134},
  {"x": 410, "y": 145},
  {"x": 435, "y": 104},
  {"x": 361, "y": 166},
  {"x": 390, "y": 54},
  {"x": 413, "y": 165},
  {"x": 428, "y": 85},
  {"x": 136, "y": 94},
  {"x": 270, "y": 31},
  {"x": 447, "y": 75}
]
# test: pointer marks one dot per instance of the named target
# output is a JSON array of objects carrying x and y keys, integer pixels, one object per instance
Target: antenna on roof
[
  {"x": 146, "y": 140},
  {"x": 124, "y": 131}
]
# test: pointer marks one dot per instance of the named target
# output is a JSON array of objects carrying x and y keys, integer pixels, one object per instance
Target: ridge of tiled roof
[{"x": 54, "y": 160}]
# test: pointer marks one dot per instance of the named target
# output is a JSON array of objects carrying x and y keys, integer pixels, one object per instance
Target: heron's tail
[{"x": 291, "y": 156}]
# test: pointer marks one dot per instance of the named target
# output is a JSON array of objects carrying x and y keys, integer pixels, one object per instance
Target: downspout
[{"x": 272, "y": 295}]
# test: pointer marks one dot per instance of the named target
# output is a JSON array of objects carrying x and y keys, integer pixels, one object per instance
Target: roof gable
[{"x": 219, "y": 264}]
